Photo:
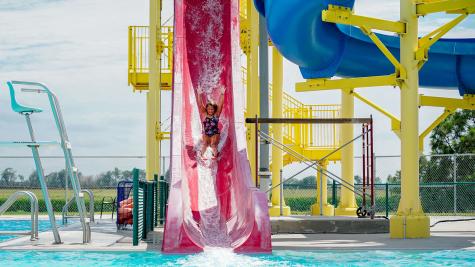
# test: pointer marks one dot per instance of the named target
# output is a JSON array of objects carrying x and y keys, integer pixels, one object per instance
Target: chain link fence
[
  {"x": 58, "y": 199},
  {"x": 447, "y": 186},
  {"x": 99, "y": 174}
]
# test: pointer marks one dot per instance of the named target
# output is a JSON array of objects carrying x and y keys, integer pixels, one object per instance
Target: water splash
[
  {"x": 209, "y": 47},
  {"x": 224, "y": 257}
]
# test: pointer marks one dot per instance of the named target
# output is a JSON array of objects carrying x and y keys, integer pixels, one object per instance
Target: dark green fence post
[
  {"x": 135, "y": 228},
  {"x": 334, "y": 193},
  {"x": 387, "y": 200},
  {"x": 161, "y": 198},
  {"x": 155, "y": 200},
  {"x": 144, "y": 209}
]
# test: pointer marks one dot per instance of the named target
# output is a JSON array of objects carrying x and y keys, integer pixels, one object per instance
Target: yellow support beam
[
  {"x": 395, "y": 122},
  {"x": 410, "y": 220},
  {"x": 163, "y": 136},
  {"x": 278, "y": 134},
  {"x": 400, "y": 73},
  {"x": 344, "y": 15},
  {"x": 326, "y": 209},
  {"x": 467, "y": 102},
  {"x": 153, "y": 95},
  {"x": 430, "y": 6},
  {"x": 333, "y": 84},
  {"x": 252, "y": 79},
  {"x": 422, "y": 53},
  {"x": 347, "y": 205},
  {"x": 432, "y": 126}
]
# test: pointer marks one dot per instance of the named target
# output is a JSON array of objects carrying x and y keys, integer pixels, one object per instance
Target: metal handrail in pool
[
  {"x": 34, "y": 213},
  {"x": 91, "y": 207}
]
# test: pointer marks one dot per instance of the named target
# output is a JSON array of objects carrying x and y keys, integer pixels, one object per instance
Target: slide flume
[
  {"x": 323, "y": 50},
  {"x": 212, "y": 203}
]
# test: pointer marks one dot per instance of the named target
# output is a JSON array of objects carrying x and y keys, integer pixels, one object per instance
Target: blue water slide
[{"x": 323, "y": 50}]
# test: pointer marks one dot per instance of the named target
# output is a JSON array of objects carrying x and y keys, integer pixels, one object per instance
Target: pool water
[
  {"x": 22, "y": 225},
  {"x": 223, "y": 257}
]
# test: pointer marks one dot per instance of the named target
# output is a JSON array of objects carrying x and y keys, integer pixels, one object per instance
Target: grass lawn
[{"x": 58, "y": 194}]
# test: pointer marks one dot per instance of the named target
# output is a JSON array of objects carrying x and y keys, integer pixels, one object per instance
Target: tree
[
  {"x": 33, "y": 179},
  {"x": 8, "y": 176},
  {"x": 56, "y": 179},
  {"x": 394, "y": 179},
  {"x": 455, "y": 135},
  {"x": 307, "y": 181}
]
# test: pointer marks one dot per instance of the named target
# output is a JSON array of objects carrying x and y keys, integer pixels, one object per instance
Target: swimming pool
[
  {"x": 22, "y": 225},
  {"x": 222, "y": 257}
]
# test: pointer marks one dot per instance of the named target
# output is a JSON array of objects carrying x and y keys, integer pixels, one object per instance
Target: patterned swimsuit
[{"x": 210, "y": 126}]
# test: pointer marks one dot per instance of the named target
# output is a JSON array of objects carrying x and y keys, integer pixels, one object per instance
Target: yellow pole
[
  {"x": 410, "y": 221},
  {"x": 252, "y": 104},
  {"x": 327, "y": 209},
  {"x": 153, "y": 95},
  {"x": 347, "y": 205},
  {"x": 277, "y": 130}
]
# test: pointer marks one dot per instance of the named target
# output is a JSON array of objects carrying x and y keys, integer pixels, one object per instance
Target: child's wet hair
[{"x": 215, "y": 106}]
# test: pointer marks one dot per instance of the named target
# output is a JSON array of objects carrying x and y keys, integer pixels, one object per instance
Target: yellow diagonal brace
[
  {"x": 344, "y": 15},
  {"x": 427, "y": 7},
  {"x": 432, "y": 126},
  {"x": 395, "y": 122},
  {"x": 328, "y": 84},
  {"x": 427, "y": 41},
  {"x": 467, "y": 102},
  {"x": 400, "y": 72},
  {"x": 163, "y": 136}
]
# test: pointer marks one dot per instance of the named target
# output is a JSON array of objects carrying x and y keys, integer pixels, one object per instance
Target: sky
[{"x": 79, "y": 49}]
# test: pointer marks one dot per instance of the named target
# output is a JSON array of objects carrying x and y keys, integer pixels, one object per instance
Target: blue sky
[{"x": 79, "y": 48}]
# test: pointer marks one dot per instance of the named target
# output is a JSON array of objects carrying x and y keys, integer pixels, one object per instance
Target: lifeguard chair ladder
[{"x": 72, "y": 171}]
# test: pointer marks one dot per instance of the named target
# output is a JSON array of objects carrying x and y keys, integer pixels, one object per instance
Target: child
[{"x": 211, "y": 113}]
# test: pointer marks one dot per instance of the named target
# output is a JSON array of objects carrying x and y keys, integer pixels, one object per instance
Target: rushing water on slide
[{"x": 211, "y": 224}]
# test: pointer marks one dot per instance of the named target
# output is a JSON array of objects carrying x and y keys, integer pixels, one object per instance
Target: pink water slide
[{"x": 212, "y": 202}]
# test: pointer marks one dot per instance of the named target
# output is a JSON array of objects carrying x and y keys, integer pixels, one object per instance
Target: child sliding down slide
[{"x": 210, "y": 112}]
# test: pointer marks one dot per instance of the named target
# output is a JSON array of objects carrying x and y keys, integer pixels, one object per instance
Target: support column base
[
  {"x": 412, "y": 226},
  {"x": 344, "y": 211},
  {"x": 274, "y": 211},
  {"x": 328, "y": 210}
]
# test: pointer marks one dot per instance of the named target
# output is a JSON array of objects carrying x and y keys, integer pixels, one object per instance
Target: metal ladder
[{"x": 71, "y": 169}]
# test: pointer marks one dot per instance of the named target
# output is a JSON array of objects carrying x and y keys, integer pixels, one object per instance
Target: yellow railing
[
  {"x": 306, "y": 136},
  {"x": 139, "y": 52}
]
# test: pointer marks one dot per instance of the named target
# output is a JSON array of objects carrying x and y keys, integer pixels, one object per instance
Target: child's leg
[
  {"x": 205, "y": 144},
  {"x": 214, "y": 144}
]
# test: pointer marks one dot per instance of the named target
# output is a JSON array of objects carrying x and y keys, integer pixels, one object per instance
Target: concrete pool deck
[{"x": 444, "y": 236}]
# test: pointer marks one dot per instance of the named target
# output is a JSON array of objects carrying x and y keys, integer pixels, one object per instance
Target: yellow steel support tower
[
  {"x": 252, "y": 103},
  {"x": 347, "y": 205},
  {"x": 323, "y": 208},
  {"x": 410, "y": 221},
  {"x": 277, "y": 130},
  {"x": 153, "y": 95}
]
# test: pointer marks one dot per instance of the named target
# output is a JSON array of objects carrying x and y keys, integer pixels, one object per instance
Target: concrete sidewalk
[{"x": 105, "y": 237}]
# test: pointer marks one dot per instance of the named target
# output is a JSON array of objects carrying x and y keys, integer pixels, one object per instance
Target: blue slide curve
[{"x": 323, "y": 50}]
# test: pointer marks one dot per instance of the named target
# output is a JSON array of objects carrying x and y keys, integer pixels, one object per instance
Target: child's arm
[
  {"x": 201, "y": 108},
  {"x": 220, "y": 104}
]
